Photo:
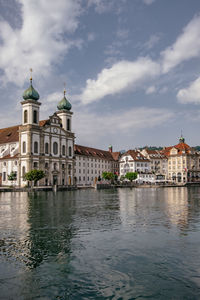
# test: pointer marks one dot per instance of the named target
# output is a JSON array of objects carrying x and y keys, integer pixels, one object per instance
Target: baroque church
[{"x": 47, "y": 145}]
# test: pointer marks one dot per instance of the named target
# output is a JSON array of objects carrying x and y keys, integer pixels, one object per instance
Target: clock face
[{"x": 55, "y": 130}]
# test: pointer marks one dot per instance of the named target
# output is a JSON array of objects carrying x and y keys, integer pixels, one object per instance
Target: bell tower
[
  {"x": 64, "y": 107},
  {"x": 30, "y": 105}
]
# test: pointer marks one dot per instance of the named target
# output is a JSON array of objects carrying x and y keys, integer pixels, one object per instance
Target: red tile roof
[
  {"x": 181, "y": 147},
  {"x": 9, "y": 157},
  {"x": 9, "y": 135},
  {"x": 96, "y": 153},
  {"x": 136, "y": 155}
]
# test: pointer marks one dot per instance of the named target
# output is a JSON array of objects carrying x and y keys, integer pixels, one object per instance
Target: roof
[
  {"x": 181, "y": 147},
  {"x": 9, "y": 157},
  {"x": 96, "y": 153},
  {"x": 155, "y": 154},
  {"x": 136, "y": 155},
  {"x": 9, "y": 134}
]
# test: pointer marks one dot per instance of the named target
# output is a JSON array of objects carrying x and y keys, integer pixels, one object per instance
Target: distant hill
[{"x": 152, "y": 148}]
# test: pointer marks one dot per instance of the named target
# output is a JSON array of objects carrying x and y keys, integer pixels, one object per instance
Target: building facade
[
  {"x": 135, "y": 161},
  {"x": 91, "y": 163},
  {"x": 159, "y": 163},
  {"x": 183, "y": 163}
]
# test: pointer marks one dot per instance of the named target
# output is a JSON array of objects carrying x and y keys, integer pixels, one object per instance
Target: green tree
[
  {"x": 108, "y": 175},
  {"x": 131, "y": 176},
  {"x": 34, "y": 175},
  {"x": 12, "y": 176}
]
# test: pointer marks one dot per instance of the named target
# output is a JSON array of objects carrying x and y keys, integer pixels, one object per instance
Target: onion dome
[
  {"x": 64, "y": 104},
  {"x": 31, "y": 93}
]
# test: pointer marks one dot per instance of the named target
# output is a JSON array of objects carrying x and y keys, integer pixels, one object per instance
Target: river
[{"x": 140, "y": 243}]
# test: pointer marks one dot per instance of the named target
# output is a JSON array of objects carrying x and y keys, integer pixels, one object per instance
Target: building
[
  {"x": 183, "y": 163},
  {"x": 91, "y": 163},
  {"x": 135, "y": 161},
  {"x": 35, "y": 144},
  {"x": 159, "y": 162}
]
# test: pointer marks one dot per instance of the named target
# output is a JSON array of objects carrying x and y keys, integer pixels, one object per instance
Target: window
[
  {"x": 35, "y": 116},
  {"x": 25, "y": 116},
  {"x": 35, "y": 147},
  {"x": 70, "y": 151},
  {"x": 46, "y": 148},
  {"x": 63, "y": 149},
  {"x": 68, "y": 124},
  {"x": 55, "y": 148},
  {"x": 4, "y": 176},
  {"x": 23, "y": 171},
  {"x": 15, "y": 162},
  {"x": 79, "y": 178},
  {"x": 35, "y": 165},
  {"x": 55, "y": 166},
  {"x": 46, "y": 165},
  {"x": 63, "y": 166},
  {"x": 24, "y": 147}
]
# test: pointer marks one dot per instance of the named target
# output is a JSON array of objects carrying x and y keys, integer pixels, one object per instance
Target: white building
[
  {"x": 91, "y": 163},
  {"x": 135, "y": 161}
]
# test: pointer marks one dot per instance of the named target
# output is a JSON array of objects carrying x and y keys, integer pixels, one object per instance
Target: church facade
[{"x": 47, "y": 145}]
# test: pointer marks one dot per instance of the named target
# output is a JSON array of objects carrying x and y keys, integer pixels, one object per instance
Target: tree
[
  {"x": 12, "y": 176},
  {"x": 34, "y": 175},
  {"x": 131, "y": 176},
  {"x": 108, "y": 175}
]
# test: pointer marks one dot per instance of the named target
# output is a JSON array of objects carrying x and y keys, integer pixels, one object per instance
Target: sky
[{"x": 131, "y": 67}]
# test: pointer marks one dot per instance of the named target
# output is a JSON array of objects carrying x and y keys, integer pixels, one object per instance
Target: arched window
[
  {"x": 55, "y": 148},
  {"x": 24, "y": 147},
  {"x": 35, "y": 147},
  {"x": 35, "y": 116},
  {"x": 70, "y": 151},
  {"x": 46, "y": 148},
  {"x": 23, "y": 171},
  {"x": 68, "y": 124},
  {"x": 63, "y": 149},
  {"x": 25, "y": 116}
]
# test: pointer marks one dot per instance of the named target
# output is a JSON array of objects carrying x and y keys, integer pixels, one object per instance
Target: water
[{"x": 108, "y": 244}]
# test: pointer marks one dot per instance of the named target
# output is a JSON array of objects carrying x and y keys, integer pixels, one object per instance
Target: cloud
[
  {"x": 191, "y": 94},
  {"x": 40, "y": 40},
  {"x": 93, "y": 130},
  {"x": 153, "y": 40},
  {"x": 187, "y": 46},
  {"x": 148, "y": 2},
  {"x": 101, "y": 6},
  {"x": 120, "y": 76},
  {"x": 151, "y": 90}
]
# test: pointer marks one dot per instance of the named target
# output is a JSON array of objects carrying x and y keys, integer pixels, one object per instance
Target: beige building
[
  {"x": 183, "y": 163},
  {"x": 35, "y": 144},
  {"x": 159, "y": 162}
]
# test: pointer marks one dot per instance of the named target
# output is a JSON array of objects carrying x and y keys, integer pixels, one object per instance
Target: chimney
[{"x": 110, "y": 149}]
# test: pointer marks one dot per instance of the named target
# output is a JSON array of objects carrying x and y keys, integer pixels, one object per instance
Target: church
[{"x": 47, "y": 145}]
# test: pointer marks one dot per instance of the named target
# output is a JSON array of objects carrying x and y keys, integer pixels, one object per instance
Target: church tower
[
  {"x": 30, "y": 106},
  {"x": 29, "y": 133},
  {"x": 64, "y": 107}
]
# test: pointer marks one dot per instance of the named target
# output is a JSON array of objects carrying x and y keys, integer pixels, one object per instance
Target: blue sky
[{"x": 131, "y": 67}]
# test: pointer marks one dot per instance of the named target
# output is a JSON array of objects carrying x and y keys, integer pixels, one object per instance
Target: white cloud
[
  {"x": 101, "y": 6},
  {"x": 191, "y": 94},
  {"x": 187, "y": 46},
  {"x": 153, "y": 40},
  {"x": 93, "y": 130},
  {"x": 91, "y": 36},
  {"x": 148, "y": 2},
  {"x": 120, "y": 76},
  {"x": 150, "y": 90},
  {"x": 39, "y": 42}
]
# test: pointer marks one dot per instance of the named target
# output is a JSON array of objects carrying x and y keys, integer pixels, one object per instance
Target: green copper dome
[
  {"x": 64, "y": 104},
  {"x": 31, "y": 93}
]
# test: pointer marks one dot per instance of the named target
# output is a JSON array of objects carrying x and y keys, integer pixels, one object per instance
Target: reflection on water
[{"x": 112, "y": 244}]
